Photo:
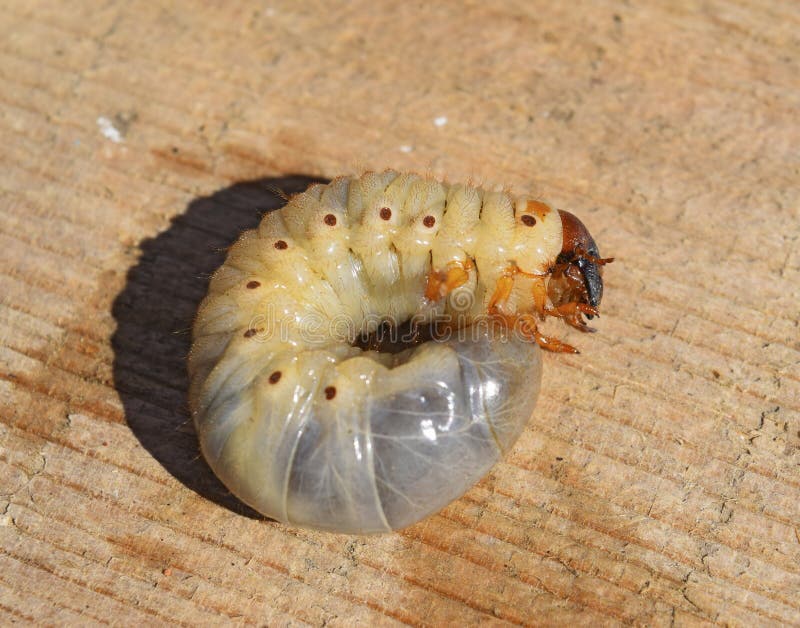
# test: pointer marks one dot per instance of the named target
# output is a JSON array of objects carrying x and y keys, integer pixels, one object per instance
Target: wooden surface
[{"x": 659, "y": 480}]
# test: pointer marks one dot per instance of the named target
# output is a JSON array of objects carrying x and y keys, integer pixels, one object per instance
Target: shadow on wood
[{"x": 154, "y": 314}]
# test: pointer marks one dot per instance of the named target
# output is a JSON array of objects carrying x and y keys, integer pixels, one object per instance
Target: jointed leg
[
  {"x": 501, "y": 292},
  {"x": 529, "y": 329},
  {"x": 442, "y": 283},
  {"x": 526, "y": 322}
]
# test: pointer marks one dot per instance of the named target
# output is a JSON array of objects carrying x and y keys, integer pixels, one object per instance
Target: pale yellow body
[{"x": 333, "y": 263}]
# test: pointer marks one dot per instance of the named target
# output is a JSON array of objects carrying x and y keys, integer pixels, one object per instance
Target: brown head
[{"x": 577, "y": 276}]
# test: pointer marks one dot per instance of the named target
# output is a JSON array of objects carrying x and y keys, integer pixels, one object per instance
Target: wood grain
[{"x": 658, "y": 482}]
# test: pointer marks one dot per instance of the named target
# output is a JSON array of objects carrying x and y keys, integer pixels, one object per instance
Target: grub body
[{"x": 310, "y": 428}]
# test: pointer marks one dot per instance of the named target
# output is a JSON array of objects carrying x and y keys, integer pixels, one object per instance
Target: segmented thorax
[{"x": 308, "y": 427}]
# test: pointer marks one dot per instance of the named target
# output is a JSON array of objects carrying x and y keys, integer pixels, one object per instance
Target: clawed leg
[
  {"x": 526, "y": 322},
  {"x": 529, "y": 328},
  {"x": 442, "y": 283},
  {"x": 501, "y": 292}
]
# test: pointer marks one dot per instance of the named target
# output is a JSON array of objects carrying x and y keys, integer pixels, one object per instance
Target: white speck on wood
[{"x": 108, "y": 129}]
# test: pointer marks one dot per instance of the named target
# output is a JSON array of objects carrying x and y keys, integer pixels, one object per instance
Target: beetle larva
[{"x": 301, "y": 409}]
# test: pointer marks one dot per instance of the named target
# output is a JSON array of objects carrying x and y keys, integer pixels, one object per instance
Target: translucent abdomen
[{"x": 356, "y": 441}]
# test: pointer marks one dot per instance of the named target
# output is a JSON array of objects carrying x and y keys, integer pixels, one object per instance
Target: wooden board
[{"x": 659, "y": 479}]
